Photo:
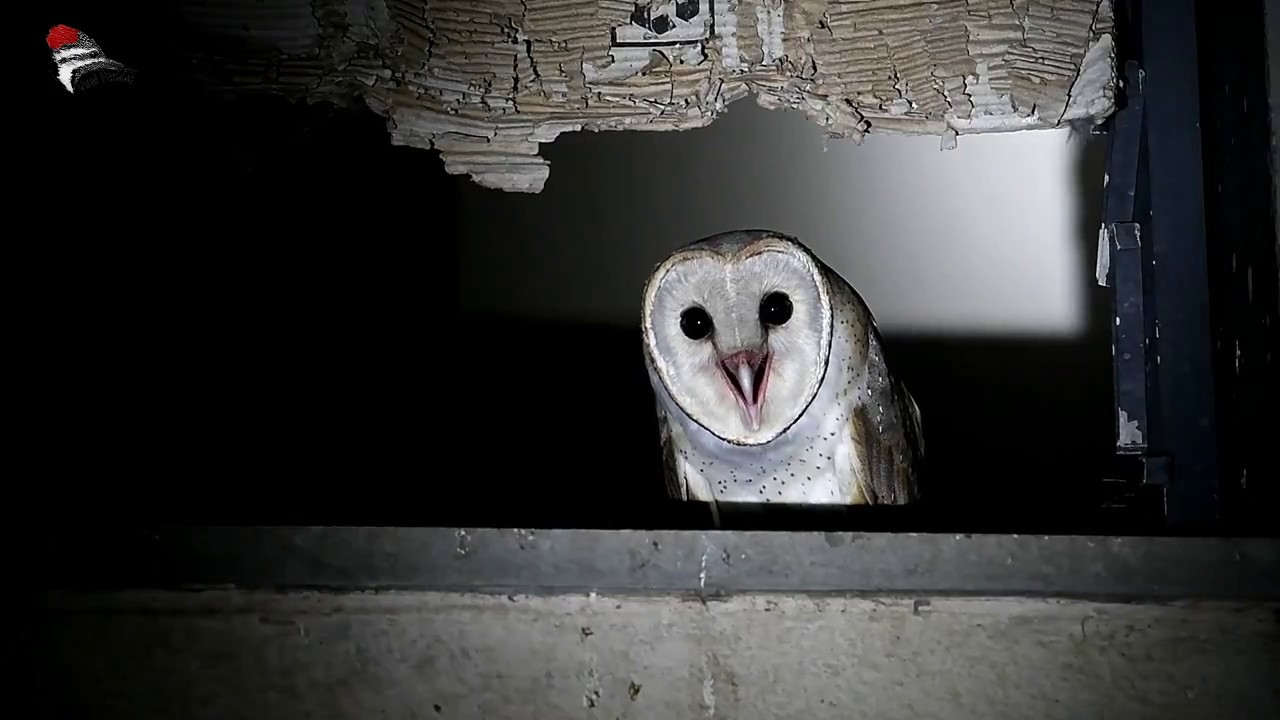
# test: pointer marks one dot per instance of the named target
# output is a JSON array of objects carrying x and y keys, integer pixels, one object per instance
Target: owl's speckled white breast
[{"x": 812, "y": 463}]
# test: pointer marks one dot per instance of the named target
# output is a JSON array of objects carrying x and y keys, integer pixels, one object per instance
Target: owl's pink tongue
[{"x": 748, "y": 375}]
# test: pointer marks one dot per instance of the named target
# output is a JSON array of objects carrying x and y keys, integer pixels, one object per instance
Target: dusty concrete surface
[
  {"x": 228, "y": 654},
  {"x": 486, "y": 83}
]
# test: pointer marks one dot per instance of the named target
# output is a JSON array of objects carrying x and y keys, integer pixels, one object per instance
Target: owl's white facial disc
[{"x": 739, "y": 334}]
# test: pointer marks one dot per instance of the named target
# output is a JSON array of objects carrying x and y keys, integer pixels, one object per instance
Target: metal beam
[
  {"x": 1126, "y": 270},
  {"x": 1181, "y": 278}
]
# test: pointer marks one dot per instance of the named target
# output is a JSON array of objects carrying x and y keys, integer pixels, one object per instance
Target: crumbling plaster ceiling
[{"x": 487, "y": 82}]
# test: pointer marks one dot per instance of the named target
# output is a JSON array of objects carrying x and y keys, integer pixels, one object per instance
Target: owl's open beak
[{"x": 747, "y": 372}]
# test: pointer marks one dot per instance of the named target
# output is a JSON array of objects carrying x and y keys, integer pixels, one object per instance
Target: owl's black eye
[
  {"x": 695, "y": 323},
  {"x": 775, "y": 309}
]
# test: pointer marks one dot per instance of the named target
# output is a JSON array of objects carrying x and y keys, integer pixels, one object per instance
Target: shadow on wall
[{"x": 980, "y": 240}]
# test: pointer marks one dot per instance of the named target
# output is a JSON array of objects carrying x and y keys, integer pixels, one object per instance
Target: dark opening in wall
[{"x": 275, "y": 336}]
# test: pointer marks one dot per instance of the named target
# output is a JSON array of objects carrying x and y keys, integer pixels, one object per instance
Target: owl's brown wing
[
  {"x": 887, "y": 433},
  {"x": 677, "y": 489},
  {"x": 680, "y": 484}
]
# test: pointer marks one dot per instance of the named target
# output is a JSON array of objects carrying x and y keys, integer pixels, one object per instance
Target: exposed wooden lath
[{"x": 487, "y": 82}]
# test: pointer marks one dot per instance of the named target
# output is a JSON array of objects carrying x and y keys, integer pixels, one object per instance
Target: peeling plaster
[
  {"x": 487, "y": 83},
  {"x": 1129, "y": 432}
]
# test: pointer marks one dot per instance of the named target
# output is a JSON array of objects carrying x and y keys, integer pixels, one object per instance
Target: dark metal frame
[
  {"x": 699, "y": 565},
  {"x": 1162, "y": 204}
]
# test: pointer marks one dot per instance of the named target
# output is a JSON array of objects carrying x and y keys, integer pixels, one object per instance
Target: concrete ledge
[
  {"x": 356, "y": 623},
  {"x": 705, "y": 564},
  {"x": 412, "y": 654}
]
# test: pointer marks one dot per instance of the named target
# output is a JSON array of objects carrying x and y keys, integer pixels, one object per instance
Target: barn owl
[{"x": 770, "y": 379}]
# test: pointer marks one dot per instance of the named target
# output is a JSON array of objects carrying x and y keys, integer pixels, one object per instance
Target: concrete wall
[
  {"x": 228, "y": 655},
  {"x": 517, "y": 623}
]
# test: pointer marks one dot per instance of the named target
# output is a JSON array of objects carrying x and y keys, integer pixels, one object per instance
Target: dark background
[{"x": 226, "y": 332}]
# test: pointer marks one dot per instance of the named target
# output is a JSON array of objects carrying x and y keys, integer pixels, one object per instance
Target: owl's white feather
[{"x": 831, "y": 425}]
